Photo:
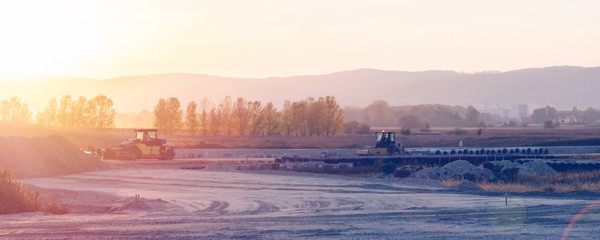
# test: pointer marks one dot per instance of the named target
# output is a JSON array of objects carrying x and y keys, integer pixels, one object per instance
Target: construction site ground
[{"x": 153, "y": 199}]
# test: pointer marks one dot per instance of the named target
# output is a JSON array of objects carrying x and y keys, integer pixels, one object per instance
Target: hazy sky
[{"x": 262, "y": 38}]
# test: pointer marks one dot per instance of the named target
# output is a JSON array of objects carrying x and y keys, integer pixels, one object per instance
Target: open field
[
  {"x": 178, "y": 199},
  {"x": 179, "y": 203},
  {"x": 491, "y": 137}
]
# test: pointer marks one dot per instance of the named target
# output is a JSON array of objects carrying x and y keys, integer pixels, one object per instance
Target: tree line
[
  {"x": 95, "y": 113},
  {"x": 240, "y": 117},
  {"x": 381, "y": 114}
]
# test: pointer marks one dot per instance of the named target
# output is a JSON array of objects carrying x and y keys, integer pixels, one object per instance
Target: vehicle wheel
[
  {"x": 169, "y": 155},
  {"x": 135, "y": 153}
]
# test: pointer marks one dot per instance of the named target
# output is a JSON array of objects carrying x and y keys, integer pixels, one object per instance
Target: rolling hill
[{"x": 562, "y": 87}]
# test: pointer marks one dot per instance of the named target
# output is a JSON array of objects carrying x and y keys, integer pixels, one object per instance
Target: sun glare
[{"x": 46, "y": 37}]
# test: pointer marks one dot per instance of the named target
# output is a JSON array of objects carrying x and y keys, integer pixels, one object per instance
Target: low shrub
[
  {"x": 510, "y": 174},
  {"x": 471, "y": 177},
  {"x": 13, "y": 198},
  {"x": 458, "y": 131},
  {"x": 388, "y": 168},
  {"x": 489, "y": 165},
  {"x": 55, "y": 208},
  {"x": 405, "y": 131},
  {"x": 402, "y": 173},
  {"x": 560, "y": 182}
]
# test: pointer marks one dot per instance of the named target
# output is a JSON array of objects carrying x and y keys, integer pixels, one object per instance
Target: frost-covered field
[{"x": 178, "y": 203}]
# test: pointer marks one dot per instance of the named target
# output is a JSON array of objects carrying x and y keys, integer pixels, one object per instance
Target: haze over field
[
  {"x": 312, "y": 47},
  {"x": 561, "y": 87}
]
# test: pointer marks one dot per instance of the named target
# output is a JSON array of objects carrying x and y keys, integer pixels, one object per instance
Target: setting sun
[{"x": 48, "y": 37}]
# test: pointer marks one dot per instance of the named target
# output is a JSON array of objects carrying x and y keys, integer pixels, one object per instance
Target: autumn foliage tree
[
  {"x": 309, "y": 117},
  {"x": 95, "y": 113},
  {"x": 14, "y": 111},
  {"x": 168, "y": 115},
  {"x": 191, "y": 118}
]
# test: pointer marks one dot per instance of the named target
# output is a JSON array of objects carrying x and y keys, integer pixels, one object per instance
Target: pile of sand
[
  {"x": 44, "y": 156},
  {"x": 467, "y": 186},
  {"x": 456, "y": 170},
  {"x": 220, "y": 166},
  {"x": 534, "y": 167}
]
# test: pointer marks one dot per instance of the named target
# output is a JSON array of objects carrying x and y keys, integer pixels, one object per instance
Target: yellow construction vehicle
[
  {"x": 145, "y": 145},
  {"x": 385, "y": 144}
]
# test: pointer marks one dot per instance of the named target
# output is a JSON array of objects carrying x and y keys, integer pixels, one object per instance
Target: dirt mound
[
  {"x": 539, "y": 168},
  {"x": 533, "y": 167},
  {"x": 467, "y": 186},
  {"x": 459, "y": 166},
  {"x": 220, "y": 166},
  {"x": 457, "y": 170},
  {"x": 44, "y": 156}
]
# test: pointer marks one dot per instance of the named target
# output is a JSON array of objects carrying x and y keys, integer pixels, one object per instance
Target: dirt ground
[{"x": 178, "y": 203}]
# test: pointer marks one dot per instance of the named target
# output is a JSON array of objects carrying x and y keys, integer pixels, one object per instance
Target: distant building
[{"x": 518, "y": 112}]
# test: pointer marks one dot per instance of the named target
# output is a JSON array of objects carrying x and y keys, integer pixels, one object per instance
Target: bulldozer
[
  {"x": 145, "y": 145},
  {"x": 385, "y": 144}
]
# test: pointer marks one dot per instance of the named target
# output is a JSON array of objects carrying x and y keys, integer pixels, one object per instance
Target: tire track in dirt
[{"x": 216, "y": 207}]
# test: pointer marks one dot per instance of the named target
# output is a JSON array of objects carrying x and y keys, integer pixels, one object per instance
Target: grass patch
[{"x": 560, "y": 182}]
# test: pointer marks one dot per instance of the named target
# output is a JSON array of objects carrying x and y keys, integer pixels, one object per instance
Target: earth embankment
[{"x": 44, "y": 156}]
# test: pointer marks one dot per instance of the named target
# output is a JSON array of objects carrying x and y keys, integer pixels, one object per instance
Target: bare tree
[
  {"x": 216, "y": 117},
  {"x": 333, "y": 117},
  {"x": 241, "y": 114},
  {"x": 286, "y": 118},
  {"x": 226, "y": 107},
  {"x": 204, "y": 116},
  {"x": 256, "y": 118},
  {"x": 272, "y": 120}
]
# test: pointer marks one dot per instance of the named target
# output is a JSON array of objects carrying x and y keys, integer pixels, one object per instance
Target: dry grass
[
  {"x": 55, "y": 208},
  {"x": 451, "y": 182},
  {"x": 560, "y": 182},
  {"x": 13, "y": 198}
]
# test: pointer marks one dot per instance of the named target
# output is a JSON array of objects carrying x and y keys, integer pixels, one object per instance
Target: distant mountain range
[{"x": 561, "y": 87}]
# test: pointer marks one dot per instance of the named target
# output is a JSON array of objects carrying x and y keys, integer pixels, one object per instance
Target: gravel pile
[
  {"x": 457, "y": 170},
  {"x": 533, "y": 167},
  {"x": 467, "y": 186}
]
